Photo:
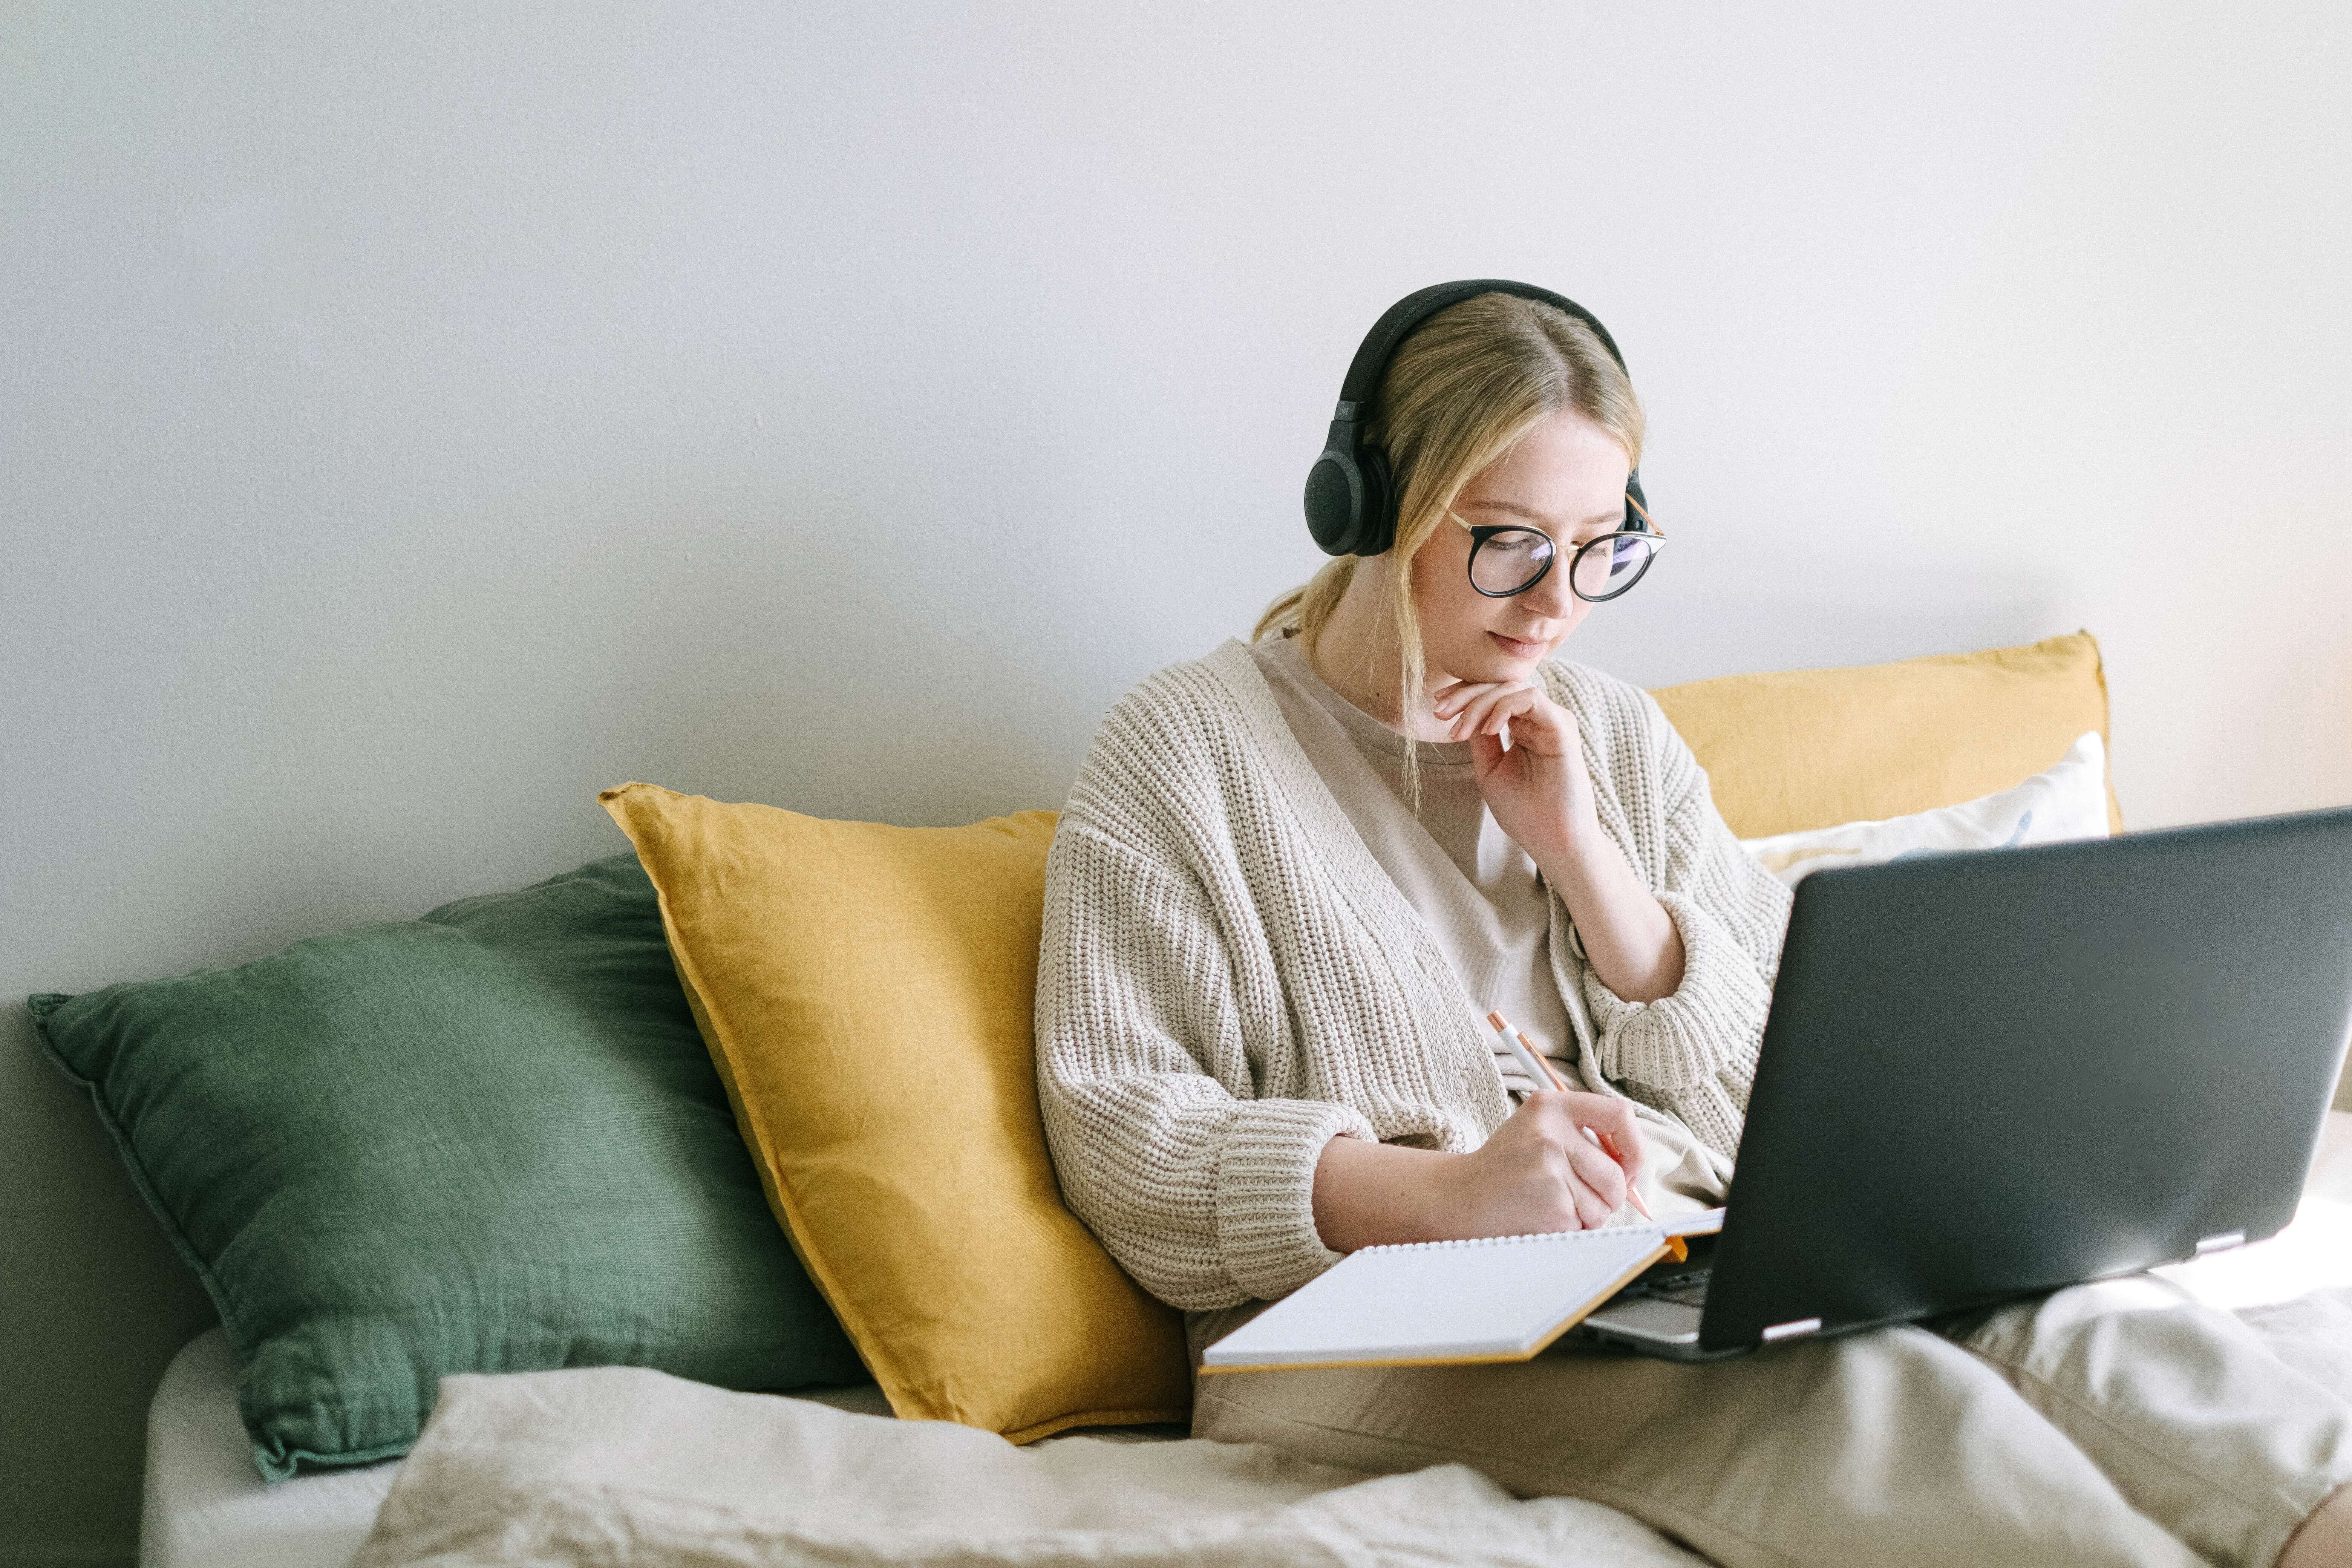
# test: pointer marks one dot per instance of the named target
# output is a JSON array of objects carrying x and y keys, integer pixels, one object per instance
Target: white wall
[{"x": 416, "y": 418}]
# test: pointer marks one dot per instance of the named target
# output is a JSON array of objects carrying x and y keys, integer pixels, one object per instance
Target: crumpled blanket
[
  {"x": 2312, "y": 1334},
  {"x": 618, "y": 1464}
]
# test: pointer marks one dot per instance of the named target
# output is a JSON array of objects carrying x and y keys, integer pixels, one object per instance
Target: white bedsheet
[
  {"x": 620, "y": 1465},
  {"x": 206, "y": 1508}
]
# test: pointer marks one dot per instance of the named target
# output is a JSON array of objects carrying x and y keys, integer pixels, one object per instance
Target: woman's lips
[{"x": 1519, "y": 648}]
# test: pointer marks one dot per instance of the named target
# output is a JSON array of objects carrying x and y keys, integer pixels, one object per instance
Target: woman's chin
[{"x": 1479, "y": 667}]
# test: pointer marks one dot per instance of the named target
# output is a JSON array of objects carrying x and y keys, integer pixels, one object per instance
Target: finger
[
  {"x": 1506, "y": 707},
  {"x": 1593, "y": 1209},
  {"x": 1594, "y": 1164},
  {"x": 1632, "y": 1166},
  {"x": 1468, "y": 692},
  {"x": 1446, "y": 699},
  {"x": 1615, "y": 1122},
  {"x": 1627, "y": 1152},
  {"x": 1538, "y": 719},
  {"x": 1459, "y": 703},
  {"x": 1478, "y": 716},
  {"x": 1522, "y": 710}
]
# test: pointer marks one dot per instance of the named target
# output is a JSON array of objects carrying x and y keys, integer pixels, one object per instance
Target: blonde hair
[{"x": 1463, "y": 388}]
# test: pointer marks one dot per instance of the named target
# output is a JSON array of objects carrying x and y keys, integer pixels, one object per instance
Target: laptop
[{"x": 1988, "y": 1074}]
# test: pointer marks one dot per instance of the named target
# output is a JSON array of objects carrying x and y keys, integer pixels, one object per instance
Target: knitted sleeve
[
  {"x": 1200, "y": 1190},
  {"x": 1694, "y": 1052}
]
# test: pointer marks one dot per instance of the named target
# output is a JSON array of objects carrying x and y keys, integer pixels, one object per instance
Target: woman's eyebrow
[{"x": 1516, "y": 510}]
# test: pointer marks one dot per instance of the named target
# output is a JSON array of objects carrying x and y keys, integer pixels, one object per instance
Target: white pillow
[{"x": 2070, "y": 800}]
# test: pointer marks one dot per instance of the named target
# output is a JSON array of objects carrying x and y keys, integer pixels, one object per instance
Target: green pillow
[{"x": 486, "y": 1140}]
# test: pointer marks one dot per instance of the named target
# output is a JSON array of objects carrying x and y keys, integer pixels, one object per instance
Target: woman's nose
[{"x": 1552, "y": 597}]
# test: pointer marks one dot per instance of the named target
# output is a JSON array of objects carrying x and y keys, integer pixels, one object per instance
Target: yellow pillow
[
  {"x": 866, "y": 993},
  {"x": 1802, "y": 748}
]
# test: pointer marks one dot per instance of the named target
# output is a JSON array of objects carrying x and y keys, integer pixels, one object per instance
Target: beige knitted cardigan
[{"x": 1228, "y": 979}]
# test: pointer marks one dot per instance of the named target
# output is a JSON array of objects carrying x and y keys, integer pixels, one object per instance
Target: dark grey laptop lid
[{"x": 1992, "y": 1073}]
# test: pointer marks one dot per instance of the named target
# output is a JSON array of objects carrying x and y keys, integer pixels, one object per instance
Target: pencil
[{"x": 1533, "y": 1061}]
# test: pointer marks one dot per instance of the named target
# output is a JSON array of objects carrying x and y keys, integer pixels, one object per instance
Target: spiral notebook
[{"x": 1448, "y": 1303}]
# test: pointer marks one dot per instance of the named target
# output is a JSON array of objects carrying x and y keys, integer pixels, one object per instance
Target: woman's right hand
[{"x": 1539, "y": 1172}]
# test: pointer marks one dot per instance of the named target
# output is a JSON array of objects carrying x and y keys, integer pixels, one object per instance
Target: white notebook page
[{"x": 1495, "y": 1299}]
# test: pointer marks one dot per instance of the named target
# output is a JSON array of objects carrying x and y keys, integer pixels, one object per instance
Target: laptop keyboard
[{"x": 1686, "y": 1288}]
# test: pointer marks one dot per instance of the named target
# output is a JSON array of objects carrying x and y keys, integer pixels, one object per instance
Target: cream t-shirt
[{"x": 1480, "y": 894}]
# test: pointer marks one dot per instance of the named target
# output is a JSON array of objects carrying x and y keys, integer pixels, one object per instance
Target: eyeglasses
[{"x": 1511, "y": 558}]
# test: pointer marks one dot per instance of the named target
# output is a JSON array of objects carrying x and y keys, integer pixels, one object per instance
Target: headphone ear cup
[
  {"x": 1377, "y": 516},
  {"x": 1335, "y": 502}
]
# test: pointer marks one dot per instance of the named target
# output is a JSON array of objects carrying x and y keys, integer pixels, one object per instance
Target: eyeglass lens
[
  {"x": 1611, "y": 564},
  {"x": 1511, "y": 559}
]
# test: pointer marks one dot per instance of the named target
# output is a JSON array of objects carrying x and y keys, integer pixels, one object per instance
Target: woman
[{"x": 1292, "y": 877}]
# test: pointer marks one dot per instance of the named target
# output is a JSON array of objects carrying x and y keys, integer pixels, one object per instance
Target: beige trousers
[{"x": 2113, "y": 1423}]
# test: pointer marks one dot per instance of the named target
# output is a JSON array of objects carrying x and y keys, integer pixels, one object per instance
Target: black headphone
[{"x": 1351, "y": 498}]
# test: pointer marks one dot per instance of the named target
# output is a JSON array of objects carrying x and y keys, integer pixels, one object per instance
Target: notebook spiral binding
[{"x": 1500, "y": 1240}]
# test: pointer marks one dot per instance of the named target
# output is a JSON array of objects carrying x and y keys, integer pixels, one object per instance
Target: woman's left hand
[{"x": 1538, "y": 790}]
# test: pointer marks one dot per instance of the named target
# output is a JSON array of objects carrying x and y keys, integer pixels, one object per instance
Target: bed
[{"x": 205, "y": 1507}]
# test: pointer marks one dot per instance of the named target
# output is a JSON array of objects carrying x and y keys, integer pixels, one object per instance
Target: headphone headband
[
  {"x": 1351, "y": 491},
  {"x": 1397, "y": 323}
]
